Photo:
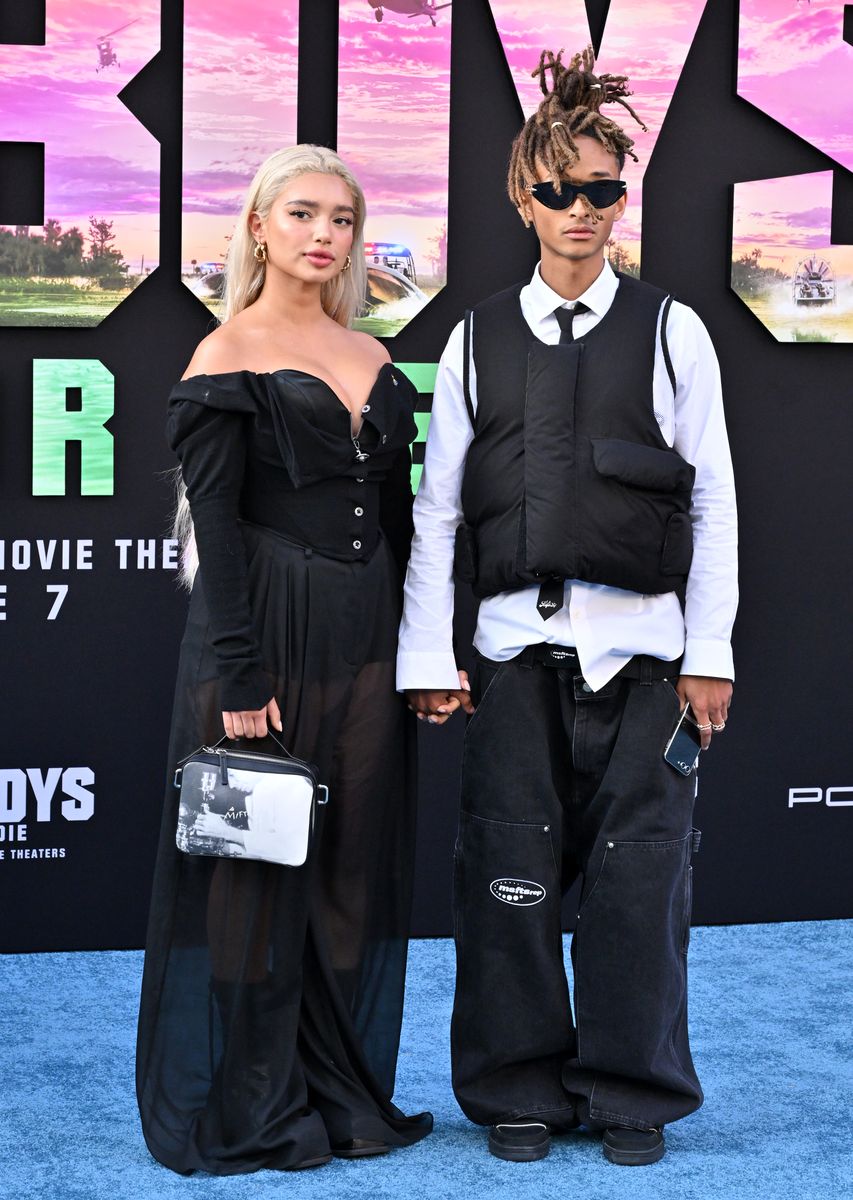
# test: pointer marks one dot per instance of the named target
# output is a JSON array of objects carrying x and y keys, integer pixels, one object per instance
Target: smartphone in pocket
[{"x": 682, "y": 749}]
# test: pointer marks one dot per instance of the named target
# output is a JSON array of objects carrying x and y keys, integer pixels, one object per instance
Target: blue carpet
[{"x": 770, "y": 1009}]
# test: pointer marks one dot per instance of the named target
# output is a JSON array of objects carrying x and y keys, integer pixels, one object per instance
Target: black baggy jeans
[{"x": 558, "y": 782}]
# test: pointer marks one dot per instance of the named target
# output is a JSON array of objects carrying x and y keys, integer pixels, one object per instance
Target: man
[{"x": 577, "y": 458}]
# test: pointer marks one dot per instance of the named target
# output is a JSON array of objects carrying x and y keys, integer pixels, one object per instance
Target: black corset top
[{"x": 289, "y": 437}]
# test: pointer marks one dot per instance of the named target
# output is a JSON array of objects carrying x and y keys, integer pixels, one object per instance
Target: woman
[{"x": 272, "y": 996}]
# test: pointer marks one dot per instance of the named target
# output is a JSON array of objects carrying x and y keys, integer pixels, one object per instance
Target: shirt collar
[{"x": 598, "y": 296}]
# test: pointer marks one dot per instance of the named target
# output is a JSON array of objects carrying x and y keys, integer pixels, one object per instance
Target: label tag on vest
[{"x": 550, "y": 598}]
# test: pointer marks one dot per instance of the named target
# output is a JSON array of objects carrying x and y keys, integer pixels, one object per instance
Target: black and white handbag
[{"x": 243, "y": 804}]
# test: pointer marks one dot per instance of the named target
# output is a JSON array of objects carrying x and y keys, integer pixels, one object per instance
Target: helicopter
[
  {"x": 411, "y": 8},
  {"x": 107, "y": 57}
]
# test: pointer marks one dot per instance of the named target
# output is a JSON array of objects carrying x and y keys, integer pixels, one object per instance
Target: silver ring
[
  {"x": 717, "y": 728},
  {"x": 705, "y": 728}
]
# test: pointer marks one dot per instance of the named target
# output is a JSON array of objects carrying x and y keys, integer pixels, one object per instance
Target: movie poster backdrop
[
  {"x": 93, "y": 234},
  {"x": 127, "y": 139}
]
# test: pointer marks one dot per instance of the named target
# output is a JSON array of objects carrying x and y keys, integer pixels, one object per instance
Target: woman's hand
[{"x": 253, "y": 722}]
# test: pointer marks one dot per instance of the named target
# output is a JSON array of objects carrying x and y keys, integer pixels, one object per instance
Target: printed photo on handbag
[{"x": 244, "y": 804}]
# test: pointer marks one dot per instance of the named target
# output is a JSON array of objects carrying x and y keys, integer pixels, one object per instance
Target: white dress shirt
[{"x": 607, "y": 625}]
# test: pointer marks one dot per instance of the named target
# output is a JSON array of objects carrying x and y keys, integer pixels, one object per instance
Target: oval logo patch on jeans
[{"x": 517, "y": 891}]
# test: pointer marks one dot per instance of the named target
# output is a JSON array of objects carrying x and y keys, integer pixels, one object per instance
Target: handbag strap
[
  {"x": 225, "y": 738},
  {"x": 270, "y": 734}
]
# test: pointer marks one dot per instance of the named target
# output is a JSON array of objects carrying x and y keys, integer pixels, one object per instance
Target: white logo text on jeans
[{"x": 520, "y": 892}]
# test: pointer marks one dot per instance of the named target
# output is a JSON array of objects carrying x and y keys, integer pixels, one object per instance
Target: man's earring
[
  {"x": 346, "y": 265},
  {"x": 260, "y": 252}
]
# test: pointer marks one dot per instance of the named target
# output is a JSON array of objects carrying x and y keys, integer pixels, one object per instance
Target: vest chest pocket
[
  {"x": 657, "y": 485},
  {"x": 641, "y": 466}
]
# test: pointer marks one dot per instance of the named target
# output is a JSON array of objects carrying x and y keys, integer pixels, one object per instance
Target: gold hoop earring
[
  {"x": 346, "y": 265},
  {"x": 262, "y": 257}
]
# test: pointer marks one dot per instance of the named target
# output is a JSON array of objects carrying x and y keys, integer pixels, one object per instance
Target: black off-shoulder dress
[{"x": 272, "y": 996}]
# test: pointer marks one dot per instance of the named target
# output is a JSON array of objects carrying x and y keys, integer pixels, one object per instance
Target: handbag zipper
[{"x": 272, "y": 758}]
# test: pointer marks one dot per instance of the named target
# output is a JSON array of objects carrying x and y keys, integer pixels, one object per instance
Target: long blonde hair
[{"x": 342, "y": 297}]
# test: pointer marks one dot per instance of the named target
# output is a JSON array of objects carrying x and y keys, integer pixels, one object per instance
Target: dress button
[
  {"x": 356, "y": 544},
  {"x": 366, "y": 408},
  {"x": 587, "y": 688},
  {"x": 359, "y": 512},
  {"x": 384, "y": 438},
  {"x": 360, "y": 480}
]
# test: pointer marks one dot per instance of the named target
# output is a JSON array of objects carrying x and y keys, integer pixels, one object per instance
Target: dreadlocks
[{"x": 571, "y": 107}]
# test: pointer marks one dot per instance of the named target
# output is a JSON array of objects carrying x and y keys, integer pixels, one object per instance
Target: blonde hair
[{"x": 342, "y": 297}]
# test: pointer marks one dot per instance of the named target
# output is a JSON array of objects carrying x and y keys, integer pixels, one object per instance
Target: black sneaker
[
  {"x": 633, "y": 1147},
  {"x": 520, "y": 1141}
]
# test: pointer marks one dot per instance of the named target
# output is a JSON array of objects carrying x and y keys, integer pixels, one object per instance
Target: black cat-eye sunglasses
[{"x": 601, "y": 193}]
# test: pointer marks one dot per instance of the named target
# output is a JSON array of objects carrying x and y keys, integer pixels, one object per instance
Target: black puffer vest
[{"x": 568, "y": 475}]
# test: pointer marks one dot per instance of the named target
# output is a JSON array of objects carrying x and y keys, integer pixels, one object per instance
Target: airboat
[{"x": 813, "y": 283}]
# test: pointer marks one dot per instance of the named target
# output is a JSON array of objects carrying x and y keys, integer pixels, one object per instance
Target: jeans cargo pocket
[
  {"x": 507, "y": 925},
  {"x": 630, "y": 986}
]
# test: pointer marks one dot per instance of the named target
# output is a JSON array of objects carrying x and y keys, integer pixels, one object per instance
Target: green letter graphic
[
  {"x": 422, "y": 376},
  {"x": 54, "y": 425}
]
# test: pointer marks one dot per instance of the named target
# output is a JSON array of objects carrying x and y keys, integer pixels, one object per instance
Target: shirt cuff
[
  {"x": 707, "y": 656},
  {"x": 426, "y": 671}
]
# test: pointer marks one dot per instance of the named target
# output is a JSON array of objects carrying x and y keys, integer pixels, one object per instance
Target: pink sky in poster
[
  {"x": 98, "y": 158},
  {"x": 794, "y": 64},
  {"x": 240, "y": 84},
  {"x": 240, "y": 105},
  {"x": 240, "y": 100},
  {"x": 788, "y": 219},
  {"x": 394, "y": 122}
]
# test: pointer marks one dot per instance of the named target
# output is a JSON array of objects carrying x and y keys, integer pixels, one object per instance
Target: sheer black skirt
[{"x": 272, "y": 996}]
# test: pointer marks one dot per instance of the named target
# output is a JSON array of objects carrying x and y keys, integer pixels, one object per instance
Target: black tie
[
  {"x": 550, "y": 599},
  {"x": 565, "y": 316}
]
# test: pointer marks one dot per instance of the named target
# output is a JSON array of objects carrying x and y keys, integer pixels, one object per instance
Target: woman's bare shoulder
[
  {"x": 220, "y": 352},
  {"x": 362, "y": 344}
]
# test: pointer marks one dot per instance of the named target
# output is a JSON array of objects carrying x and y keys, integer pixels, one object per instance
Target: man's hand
[
  {"x": 709, "y": 699},
  {"x": 437, "y": 706}
]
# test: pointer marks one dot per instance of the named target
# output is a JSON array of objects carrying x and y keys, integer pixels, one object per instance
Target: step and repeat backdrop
[{"x": 127, "y": 138}]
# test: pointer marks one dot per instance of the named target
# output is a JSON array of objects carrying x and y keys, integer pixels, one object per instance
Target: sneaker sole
[
  {"x": 635, "y": 1158},
  {"x": 518, "y": 1153}
]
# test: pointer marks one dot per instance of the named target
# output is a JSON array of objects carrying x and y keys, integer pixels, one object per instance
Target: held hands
[
  {"x": 709, "y": 700},
  {"x": 437, "y": 706},
  {"x": 252, "y": 723}
]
